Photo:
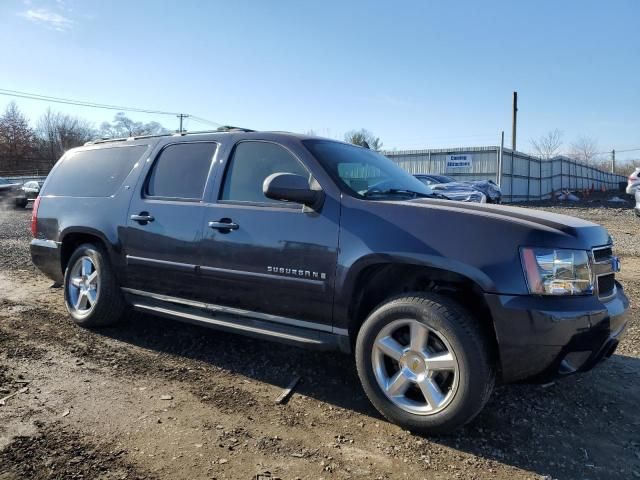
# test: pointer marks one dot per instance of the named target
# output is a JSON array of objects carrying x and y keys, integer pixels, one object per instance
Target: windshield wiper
[{"x": 402, "y": 191}]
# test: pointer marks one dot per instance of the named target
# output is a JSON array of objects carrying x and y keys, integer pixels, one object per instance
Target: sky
[{"x": 418, "y": 74}]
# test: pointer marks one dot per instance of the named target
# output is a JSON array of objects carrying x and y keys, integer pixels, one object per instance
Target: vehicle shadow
[{"x": 584, "y": 426}]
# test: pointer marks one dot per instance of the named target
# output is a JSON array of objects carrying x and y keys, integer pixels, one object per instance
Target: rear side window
[
  {"x": 251, "y": 163},
  {"x": 93, "y": 173},
  {"x": 181, "y": 171}
]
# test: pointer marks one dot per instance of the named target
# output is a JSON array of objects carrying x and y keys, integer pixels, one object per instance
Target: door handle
[
  {"x": 143, "y": 217},
  {"x": 224, "y": 225}
]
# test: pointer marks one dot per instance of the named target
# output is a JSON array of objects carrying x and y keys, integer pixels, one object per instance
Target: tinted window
[
  {"x": 252, "y": 162},
  {"x": 181, "y": 171},
  {"x": 93, "y": 173}
]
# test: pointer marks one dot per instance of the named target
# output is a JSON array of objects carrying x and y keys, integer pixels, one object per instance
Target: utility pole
[
  {"x": 613, "y": 161},
  {"x": 515, "y": 121},
  {"x": 181, "y": 116}
]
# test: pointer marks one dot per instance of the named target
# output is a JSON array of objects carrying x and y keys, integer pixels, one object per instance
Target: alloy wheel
[
  {"x": 84, "y": 287},
  {"x": 415, "y": 367}
]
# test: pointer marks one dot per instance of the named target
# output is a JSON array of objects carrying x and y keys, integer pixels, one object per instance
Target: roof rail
[{"x": 222, "y": 129}]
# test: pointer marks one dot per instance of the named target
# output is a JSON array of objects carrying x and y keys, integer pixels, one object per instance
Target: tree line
[
  {"x": 584, "y": 149},
  {"x": 24, "y": 147}
]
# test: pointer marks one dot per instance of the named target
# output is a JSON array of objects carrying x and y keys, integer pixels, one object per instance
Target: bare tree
[
  {"x": 584, "y": 149},
  {"x": 123, "y": 126},
  {"x": 57, "y": 133},
  {"x": 16, "y": 137},
  {"x": 548, "y": 146},
  {"x": 364, "y": 138}
]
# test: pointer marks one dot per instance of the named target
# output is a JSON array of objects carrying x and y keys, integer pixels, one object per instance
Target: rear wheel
[
  {"x": 424, "y": 363},
  {"x": 91, "y": 292}
]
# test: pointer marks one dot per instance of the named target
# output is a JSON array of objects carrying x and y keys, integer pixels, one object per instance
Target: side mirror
[{"x": 292, "y": 188}]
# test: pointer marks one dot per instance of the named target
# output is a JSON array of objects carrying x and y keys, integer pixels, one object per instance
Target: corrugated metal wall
[{"x": 523, "y": 177}]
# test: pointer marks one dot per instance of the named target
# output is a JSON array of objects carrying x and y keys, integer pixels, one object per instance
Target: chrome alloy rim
[
  {"x": 415, "y": 367},
  {"x": 84, "y": 287}
]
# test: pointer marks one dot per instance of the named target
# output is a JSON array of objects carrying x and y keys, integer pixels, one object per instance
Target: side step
[{"x": 252, "y": 327}]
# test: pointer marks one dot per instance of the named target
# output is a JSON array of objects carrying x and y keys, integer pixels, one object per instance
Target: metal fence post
[
  {"x": 528, "y": 178},
  {"x": 500, "y": 153},
  {"x": 512, "y": 175}
]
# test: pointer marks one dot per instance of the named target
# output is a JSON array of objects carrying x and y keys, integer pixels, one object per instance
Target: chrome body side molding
[{"x": 284, "y": 329}]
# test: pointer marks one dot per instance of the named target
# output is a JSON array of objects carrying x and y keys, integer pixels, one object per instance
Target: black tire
[
  {"x": 476, "y": 375},
  {"x": 21, "y": 202},
  {"x": 110, "y": 305}
]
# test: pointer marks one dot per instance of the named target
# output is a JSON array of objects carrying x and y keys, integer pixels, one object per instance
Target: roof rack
[{"x": 221, "y": 129}]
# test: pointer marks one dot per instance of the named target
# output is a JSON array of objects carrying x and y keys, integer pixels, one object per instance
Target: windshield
[{"x": 365, "y": 173}]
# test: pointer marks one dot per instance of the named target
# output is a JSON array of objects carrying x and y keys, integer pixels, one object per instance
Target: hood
[
  {"x": 9, "y": 186},
  {"x": 479, "y": 241},
  {"x": 577, "y": 233}
]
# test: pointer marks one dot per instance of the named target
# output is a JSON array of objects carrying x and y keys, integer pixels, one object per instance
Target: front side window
[
  {"x": 364, "y": 173},
  {"x": 251, "y": 164},
  {"x": 181, "y": 171}
]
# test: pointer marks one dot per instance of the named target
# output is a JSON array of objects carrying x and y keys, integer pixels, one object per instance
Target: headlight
[
  {"x": 477, "y": 197},
  {"x": 557, "y": 271}
]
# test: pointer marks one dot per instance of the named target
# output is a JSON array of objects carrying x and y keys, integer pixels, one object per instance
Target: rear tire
[
  {"x": 424, "y": 363},
  {"x": 91, "y": 292}
]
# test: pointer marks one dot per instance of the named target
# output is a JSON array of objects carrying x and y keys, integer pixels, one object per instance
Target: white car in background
[{"x": 633, "y": 188}]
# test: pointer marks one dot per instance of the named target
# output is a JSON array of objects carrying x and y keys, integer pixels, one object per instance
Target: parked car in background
[
  {"x": 452, "y": 190},
  {"x": 489, "y": 188},
  {"x": 28, "y": 191},
  {"x": 8, "y": 189},
  {"x": 633, "y": 188}
]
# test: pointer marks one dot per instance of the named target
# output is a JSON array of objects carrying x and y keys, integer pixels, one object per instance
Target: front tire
[
  {"x": 424, "y": 363},
  {"x": 91, "y": 293}
]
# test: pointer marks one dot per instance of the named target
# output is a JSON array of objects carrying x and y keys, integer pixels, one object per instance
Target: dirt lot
[{"x": 159, "y": 399}]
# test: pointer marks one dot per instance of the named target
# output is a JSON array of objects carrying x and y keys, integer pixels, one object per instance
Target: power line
[
  {"x": 205, "y": 121},
  {"x": 624, "y": 151},
  {"x": 69, "y": 101},
  {"x": 81, "y": 103}
]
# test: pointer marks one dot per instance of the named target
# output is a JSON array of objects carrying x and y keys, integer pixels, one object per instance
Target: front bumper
[
  {"x": 545, "y": 337},
  {"x": 45, "y": 254}
]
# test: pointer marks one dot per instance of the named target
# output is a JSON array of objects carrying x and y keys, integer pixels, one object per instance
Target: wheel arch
[
  {"x": 379, "y": 281},
  {"x": 71, "y": 239}
]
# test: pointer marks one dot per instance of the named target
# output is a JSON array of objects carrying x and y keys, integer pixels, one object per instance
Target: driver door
[{"x": 276, "y": 258}]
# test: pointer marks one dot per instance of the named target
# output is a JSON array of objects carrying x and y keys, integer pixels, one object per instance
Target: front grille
[{"x": 603, "y": 270}]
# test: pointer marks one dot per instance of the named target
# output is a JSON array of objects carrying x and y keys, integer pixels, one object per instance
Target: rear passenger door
[{"x": 164, "y": 222}]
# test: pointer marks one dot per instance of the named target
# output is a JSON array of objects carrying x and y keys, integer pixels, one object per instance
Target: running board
[{"x": 251, "y": 327}]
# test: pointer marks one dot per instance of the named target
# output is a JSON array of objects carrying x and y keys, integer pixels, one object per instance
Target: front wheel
[
  {"x": 424, "y": 363},
  {"x": 91, "y": 293}
]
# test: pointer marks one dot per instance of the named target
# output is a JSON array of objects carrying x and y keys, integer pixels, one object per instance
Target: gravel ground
[{"x": 159, "y": 399}]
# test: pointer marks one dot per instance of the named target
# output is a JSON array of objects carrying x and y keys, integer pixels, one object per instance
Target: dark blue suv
[{"x": 324, "y": 244}]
